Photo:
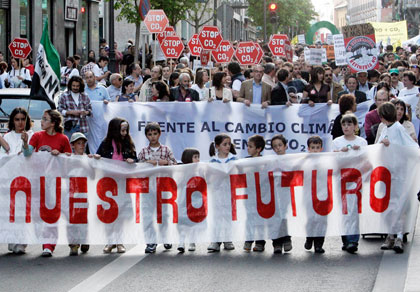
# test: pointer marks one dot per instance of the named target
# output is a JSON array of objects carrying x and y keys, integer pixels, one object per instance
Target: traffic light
[{"x": 273, "y": 12}]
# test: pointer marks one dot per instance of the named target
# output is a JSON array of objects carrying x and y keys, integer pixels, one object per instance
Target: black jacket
[
  {"x": 278, "y": 95},
  {"x": 176, "y": 96},
  {"x": 106, "y": 151},
  {"x": 360, "y": 95}
]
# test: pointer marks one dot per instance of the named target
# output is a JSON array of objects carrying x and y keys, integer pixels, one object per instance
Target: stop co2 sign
[
  {"x": 246, "y": 53},
  {"x": 194, "y": 45},
  {"x": 169, "y": 30},
  {"x": 172, "y": 47},
  {"x": 156, "y": 21},
  {"x": 210, "y": 37},
  {"x": 20, "y": 48},
  {"x": 277, "y": 45},
  {"x": 224, "y": 52}
]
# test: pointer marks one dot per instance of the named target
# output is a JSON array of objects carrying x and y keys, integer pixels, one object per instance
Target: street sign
[
  {"x": 169, "y": 30},
  {"x": 20, "y": 48},
  {"x": 246, "y": 53},
  {"x": 205, "y": 57},
  {"x": 194, "y": 45},
  {"x": 279, "y": 45},
  {"x": 210, "y": 37},
  {"x": 156, "y": 21},
  {"x": 224, "y": 52},
  {"x": 260, "y": 53},
  {"x": 144, "y": 8},
  {"x": 172, "y": 47}
]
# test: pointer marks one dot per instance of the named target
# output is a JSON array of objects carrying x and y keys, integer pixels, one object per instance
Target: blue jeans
[
  {"x": 354, "y": 238},
  {"x": 73, "y": 130}
]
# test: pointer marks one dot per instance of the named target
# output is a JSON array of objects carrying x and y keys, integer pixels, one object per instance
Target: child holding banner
[
  {"x": 189, "y": 155},
  {"x": 315, "y": 146},
  {"x": 348, "y": 141},
  {"x": 393, "y": 133},
  {"x": 117, "y": 145},
  {"x": 221, "y": 151}
]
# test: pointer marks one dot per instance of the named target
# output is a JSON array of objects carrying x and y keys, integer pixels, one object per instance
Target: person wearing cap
[
  {"x": 396, "y": 84},
  {"x": 363, "y": 84},
  {"x": 78, "y": 143}
]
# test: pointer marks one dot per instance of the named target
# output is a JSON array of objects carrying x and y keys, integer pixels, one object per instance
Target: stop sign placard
[
  {"x": 194, "y": 45},
  {"x": 204, "y": 57},
  {"x": 20, "y": 48},
  {"x": 210, "y": 37},
  {"x": 156, "y": 21},
  {"x": 246, "y": 53},
  {"x": 277, "y": 45},
  {"x": 172, "y": 47},
  {"x": 169, "y": 30},
  {"x": 260, "y": 53},
  {"x": 224, "y": 52}
]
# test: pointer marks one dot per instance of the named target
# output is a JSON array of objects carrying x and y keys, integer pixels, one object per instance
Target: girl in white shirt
[
  {"x": 18, "y": 77},
  {"x": 68, "y": 71}
]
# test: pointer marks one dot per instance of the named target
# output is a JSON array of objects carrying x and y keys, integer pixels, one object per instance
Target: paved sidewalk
[{"x": 412, "y": 282}]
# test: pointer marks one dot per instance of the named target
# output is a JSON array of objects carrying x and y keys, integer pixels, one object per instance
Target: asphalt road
[{"x": 236, "y": 270}]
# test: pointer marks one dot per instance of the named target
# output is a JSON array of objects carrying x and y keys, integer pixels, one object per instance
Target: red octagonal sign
[
  {"x": 194, "y": 45},
  {"x": 277, "y": 45},
  {"x": 20, "y": 48},
  {"x": 169, "y": 30},
  {"x": 156, "y": 21},
  {"x": 172, "y": 47},
  {"x": 210, "y": 37},
  {"x": 224, "y": 52},
  {"x": 246, "y": 53},
  {"x": 260, "y": 53}
]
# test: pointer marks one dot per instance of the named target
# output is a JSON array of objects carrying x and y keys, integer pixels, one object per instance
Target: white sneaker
[
  {"x": 214, "y": 246},
  {"x": 191, "y": 247},
  {"x": 19, "y": 249},
  {"x": 229, "y": 245},
  {"x": 248, "y": 245},
  {"x": 46, "y": 253}
]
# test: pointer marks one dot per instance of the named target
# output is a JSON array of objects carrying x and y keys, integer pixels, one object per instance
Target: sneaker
[
  {"x": 19, "y": 249},
  {"x": 109, "y": 247},
  {"x": 167, "y": 246},
  {"x": 74, "y": 250},
  {"x": 228, "y": 245},
  {"x": 398, "y": 246},
  {"x": 84, "y": 248},
  {"x": 191, "y": 247},
  {"x": 388, "y": 244},
  {"x": 150, "y": 248},
  {"x": 344, "y": 247},
  {"x": 46, "y": 253},
  {"x": 287, "y": 245},
  {"x": 120, "y": 248},
  {"x": 214, "y": 246},
  {"x": 181, "y": 247},
  {"x": 308, "y": 244},
  {"x": 351, "y": 247},
  {"x": 258, "y": 248},
  {"x": 278, "y": 249},
  {"x": 247, "y": 245},
  {"x": 319, "y": 250}
]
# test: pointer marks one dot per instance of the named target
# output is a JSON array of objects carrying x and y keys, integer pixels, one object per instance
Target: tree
[
  {"x": 197, "y": 15},
  {"x": 175, "y": 10},
  {"x": 129, "y": 10},
  {"x": 295, "y": 14}
]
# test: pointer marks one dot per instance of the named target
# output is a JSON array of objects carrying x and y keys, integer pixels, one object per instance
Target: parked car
[{"x": 11, "y": 98}]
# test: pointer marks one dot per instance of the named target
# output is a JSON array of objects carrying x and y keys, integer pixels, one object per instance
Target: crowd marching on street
[{"x": 275, "y": 81}]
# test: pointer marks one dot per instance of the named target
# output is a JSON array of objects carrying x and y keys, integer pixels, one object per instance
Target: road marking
[
  {"x": 112, "y": 271},
  {"x": 412, "y": 282}
]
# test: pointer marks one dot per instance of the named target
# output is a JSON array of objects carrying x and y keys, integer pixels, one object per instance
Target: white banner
[
  {"x": 196, "y": 124},
  {"x": 81, "y": 200},
  {"x": 339, "y": 50}
]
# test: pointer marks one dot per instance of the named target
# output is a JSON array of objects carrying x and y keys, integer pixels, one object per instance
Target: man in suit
[
  {"x": 364, "y": 85},
  {"x": 335, "y": 87},
  {"x": 351, "y": 84},
  {"x": 279, "y": 94},
  {"x": 255, "y": 91}
]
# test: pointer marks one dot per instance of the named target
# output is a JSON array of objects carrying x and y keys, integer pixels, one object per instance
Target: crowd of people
[{"x": 273, "y": 82}]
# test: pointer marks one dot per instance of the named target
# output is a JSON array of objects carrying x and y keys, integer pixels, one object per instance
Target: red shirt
[{"x": 41, "y": 141}]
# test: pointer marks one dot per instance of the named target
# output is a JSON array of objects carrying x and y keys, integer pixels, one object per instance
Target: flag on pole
[{"x": 46, "y": 79}]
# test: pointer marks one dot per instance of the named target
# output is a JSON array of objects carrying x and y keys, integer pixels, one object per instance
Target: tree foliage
[
  {"x": 292, "y": 15},
  {"x": 200, "y": 15},
  {"x": 175, "y": 10}
]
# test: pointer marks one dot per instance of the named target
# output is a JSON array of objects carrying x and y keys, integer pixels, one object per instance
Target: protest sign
[
  {"x": 339, "y": 50},
  {"x": 81, "y": 200},
  {"x": 394, "y": 33}
]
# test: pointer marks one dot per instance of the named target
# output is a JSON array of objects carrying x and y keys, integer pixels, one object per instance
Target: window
[
  {"x": 3, "y": 32},
  {"x": 25, "y": 19}
]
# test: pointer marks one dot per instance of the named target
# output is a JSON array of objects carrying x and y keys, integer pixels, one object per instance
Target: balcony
[{"x": 412, "y": 4}]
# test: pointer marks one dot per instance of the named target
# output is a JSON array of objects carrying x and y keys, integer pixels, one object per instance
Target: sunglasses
[
  {"x": 394, "y": 74},
  {"x": 414, "y": 66}
]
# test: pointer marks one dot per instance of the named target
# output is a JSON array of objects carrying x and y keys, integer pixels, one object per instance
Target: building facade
[
  {"x": 340, "y": 13},
  {"x": 73, "y": 24}
]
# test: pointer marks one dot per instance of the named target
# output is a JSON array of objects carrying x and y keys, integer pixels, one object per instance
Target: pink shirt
[{"x": 115, "y": 154}]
